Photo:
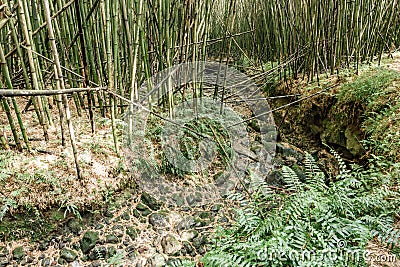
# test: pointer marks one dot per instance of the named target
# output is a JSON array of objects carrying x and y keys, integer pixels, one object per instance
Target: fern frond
[{"x": 291, "y": 180}]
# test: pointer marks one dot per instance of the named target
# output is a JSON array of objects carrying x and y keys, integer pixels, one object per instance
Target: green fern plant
[
  {"x": 116, "y": 260},
  {"x": 71, "y": 208},
  {"x": 310, "y": 223},
  {"x": 181, "y": 263},
  {"x": 8, "y": 203}
]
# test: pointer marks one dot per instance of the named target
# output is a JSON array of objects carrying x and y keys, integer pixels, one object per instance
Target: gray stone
[
  {"x": 158, "y": 220},
  {"x": 112, "y": 239},
  {"x": 288, "y": 150},
  {"x": 275, "y": 178},
  {"x": 150, "y": 201},
  {"x": 189, "y": 235},
  {"x": 46, "y": 262},
  {"x": 170, "y": 244},
  {"x": 186, "y": 223},
  {"x": 68, "y": 255},
  {"x": 199, "y": 242},
  {"x": 157, "y": 260},
  {"x": 88, "y": 241},
  {"x": 178, "y": 199}
]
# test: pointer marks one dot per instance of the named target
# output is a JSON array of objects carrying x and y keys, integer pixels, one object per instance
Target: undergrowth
[{"x": 311, "y": 224}]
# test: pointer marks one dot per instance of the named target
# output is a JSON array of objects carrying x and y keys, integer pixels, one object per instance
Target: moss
[{"x": 18, "y": 227}]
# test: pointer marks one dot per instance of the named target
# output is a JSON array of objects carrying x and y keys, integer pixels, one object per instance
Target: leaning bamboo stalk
[
  {"x": 61, "y": 84},
  {"x": 7, "y": 110},
  {"x": 6, "y": 74},
  {"x": 25, "y": 73}
]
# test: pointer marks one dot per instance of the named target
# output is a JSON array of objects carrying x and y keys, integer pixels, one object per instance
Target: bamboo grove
[{"x": 116, "y": 45}]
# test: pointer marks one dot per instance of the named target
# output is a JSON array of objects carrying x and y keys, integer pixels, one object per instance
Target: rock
[
  {"x": 352, "y": 141},
  {"x": 254, "y": 125},
  {"x": 75, "y": 226},
  {"x": 158, "y": 220},
  {"x": 132, "y": 232},
  {"x": 68, "y": 255},
  {"x": 223, "y": 219},
  {"x": 18, "y": 253},
  {"x": 333, "y": 134},
  {"x": 189, "y": 235},
  {"x": 143, "y": 209},
  {"x": 157, "y": 260},
  {"x": 170, "y": 244},
  {"x": 112, "y": 239},
  {"x": 150, "y": 201},
  {"x": 193, "y": 199},
  {"x": 288, "y": 150},
  {"x": 88, "y": 241},
  {"x": 189, "y": 250},
  {"x": 75, "y": 264},
  {"x": 275, "y": 178},
  {"x": 198, "y": 243},
  {"x": 178, "y": 199},
  {"x": 186, "y": 223},
  {"x": 4, "y": 263},
  {"x": 46, "y": 262}
]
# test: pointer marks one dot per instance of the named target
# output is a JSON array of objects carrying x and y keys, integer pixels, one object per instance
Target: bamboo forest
[{"x": 199, "y": 133}]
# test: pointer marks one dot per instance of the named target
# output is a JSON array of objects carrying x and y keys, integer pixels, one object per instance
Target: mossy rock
[
  {"x": 68, "y": 255},
  {"x": 18, "y": 253},
  {"x": 353, "y": 141},
  {"x": 89, "y": 241}
]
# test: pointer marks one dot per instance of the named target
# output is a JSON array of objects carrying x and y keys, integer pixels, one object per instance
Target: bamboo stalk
[
  {"x": 60, "y": 83},
  {"x": 32, "y": 65},
  {"x": 6, "y": 74}
]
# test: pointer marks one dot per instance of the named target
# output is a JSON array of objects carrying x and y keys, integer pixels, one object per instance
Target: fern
[
  {"x": 182, "y": 263},
  {"x": 116, "y": 260},
  {"x": 312, "y": 218},
  {"x": 9, "y": 203}
]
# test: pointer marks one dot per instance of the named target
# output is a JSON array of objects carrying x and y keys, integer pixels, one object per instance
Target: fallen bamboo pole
[{"x": 11, "y": 93}]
